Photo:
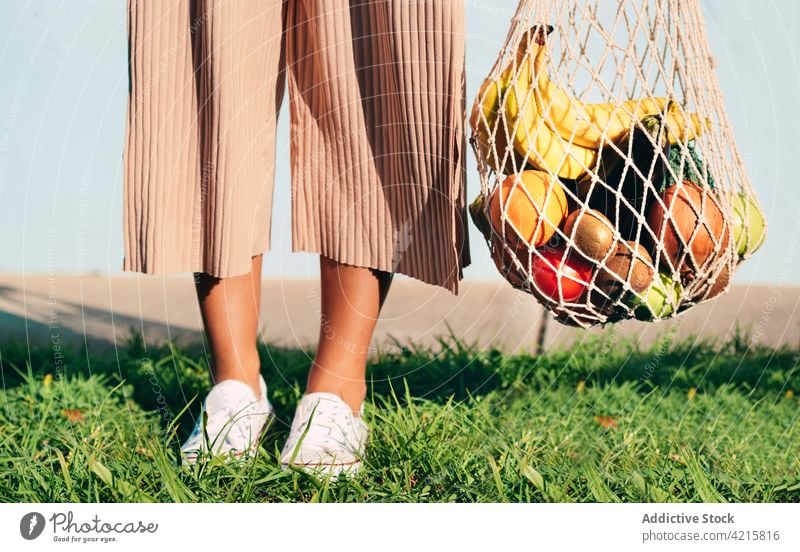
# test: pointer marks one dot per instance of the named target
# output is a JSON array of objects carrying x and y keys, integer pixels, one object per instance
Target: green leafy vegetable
[{"x": 688, "y": 165}]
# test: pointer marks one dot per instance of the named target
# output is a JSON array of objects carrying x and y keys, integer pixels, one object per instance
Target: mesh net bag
[{"x": 611, "y": 185}]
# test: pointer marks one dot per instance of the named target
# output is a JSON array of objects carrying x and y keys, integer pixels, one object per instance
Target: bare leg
[
  {"x": 230, "y": 308},
  {"x": 351, "y": 301}
]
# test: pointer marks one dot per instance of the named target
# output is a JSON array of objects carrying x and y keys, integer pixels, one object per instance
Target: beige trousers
[{"x": 376, "y": 92}]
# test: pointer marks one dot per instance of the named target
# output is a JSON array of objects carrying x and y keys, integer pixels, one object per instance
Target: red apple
[{"x": 554, "y": 268}]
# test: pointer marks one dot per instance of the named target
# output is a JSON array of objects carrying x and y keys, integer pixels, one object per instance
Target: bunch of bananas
[
  {"x": 489, "y": 129},
  {"x": 551, "y": 130}
]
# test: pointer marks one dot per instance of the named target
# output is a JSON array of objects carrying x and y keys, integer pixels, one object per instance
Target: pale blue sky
[{"x": 63, "y": 85}]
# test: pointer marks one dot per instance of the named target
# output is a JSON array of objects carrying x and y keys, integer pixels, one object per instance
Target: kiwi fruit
[
  {"x": 628, "y": 257},
  {"x": 694, "y": 229},
  {"x": 591, "y": 232}
]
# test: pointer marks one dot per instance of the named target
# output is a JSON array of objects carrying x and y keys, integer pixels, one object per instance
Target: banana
[
  {"x": 490, "y": 136},
  {"x": 487, "y": 103},
  {"x": 585, "y": 123},
  {"x": 545, "y": 149},
  {"x": 552, "y": 130},
  {"x": 483, "y": 117},
  {"x": 683, "y": 127}
]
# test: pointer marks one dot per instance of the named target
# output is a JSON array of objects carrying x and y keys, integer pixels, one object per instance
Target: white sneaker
[
  {"x": 235, "y": 422},
  {"x": 326, "y": 437}
]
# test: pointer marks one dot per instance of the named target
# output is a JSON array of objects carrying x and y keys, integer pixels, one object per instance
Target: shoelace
[{"x": 325, "y": 423}]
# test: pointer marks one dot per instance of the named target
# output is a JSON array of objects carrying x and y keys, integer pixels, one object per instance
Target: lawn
[{"x": 602, "y": 421}]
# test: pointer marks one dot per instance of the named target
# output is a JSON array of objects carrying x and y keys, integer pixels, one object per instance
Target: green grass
[{"x": 602, "y": 421}]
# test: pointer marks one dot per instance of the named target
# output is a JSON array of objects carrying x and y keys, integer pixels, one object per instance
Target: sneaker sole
[{"x": 334, "y": 470}]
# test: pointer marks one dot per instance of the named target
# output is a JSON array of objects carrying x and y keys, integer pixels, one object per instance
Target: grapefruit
[
  {"x": 531, "y": 205},
  {"x": 689, "y": 224}
]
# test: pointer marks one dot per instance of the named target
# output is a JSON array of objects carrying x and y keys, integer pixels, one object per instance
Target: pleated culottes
[{"x": 376, "y": 92}]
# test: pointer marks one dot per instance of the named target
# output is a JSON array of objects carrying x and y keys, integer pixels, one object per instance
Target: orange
[{"x": 529, "y": 198}]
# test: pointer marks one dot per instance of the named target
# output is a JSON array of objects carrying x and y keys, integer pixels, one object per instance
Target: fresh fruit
[
  {"x": 585, "y": 124},
  {"x": 549, "y": 129},
  {"x": 692, "y": 229},
  {"x": 629, "y": 269},
  {"x": 561, "y": 277},
  {"x": 619, "y": 183},
  {"x": 720, "y": 283},
  {"x": 748, "y": 236},
  {"x": 683, "y": 127},
  {"x": 534, "y": 204},
  {"x": 505, "y": 257},
  {"x": 591, "y": 232},
  {"x": 533, "y": 139},
  {"x": 489, "y": 129},
  {"x": 478, "y": 215},
  {"x": 506, "y": 261},
  {"x": 630, "y": 263},
  {"x": 659, "y": 301}
]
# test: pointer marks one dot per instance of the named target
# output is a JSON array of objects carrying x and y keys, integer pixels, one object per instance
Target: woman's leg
[
  {"x": 351, "y": 301},
  {"x": 230, "y": 308}
]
